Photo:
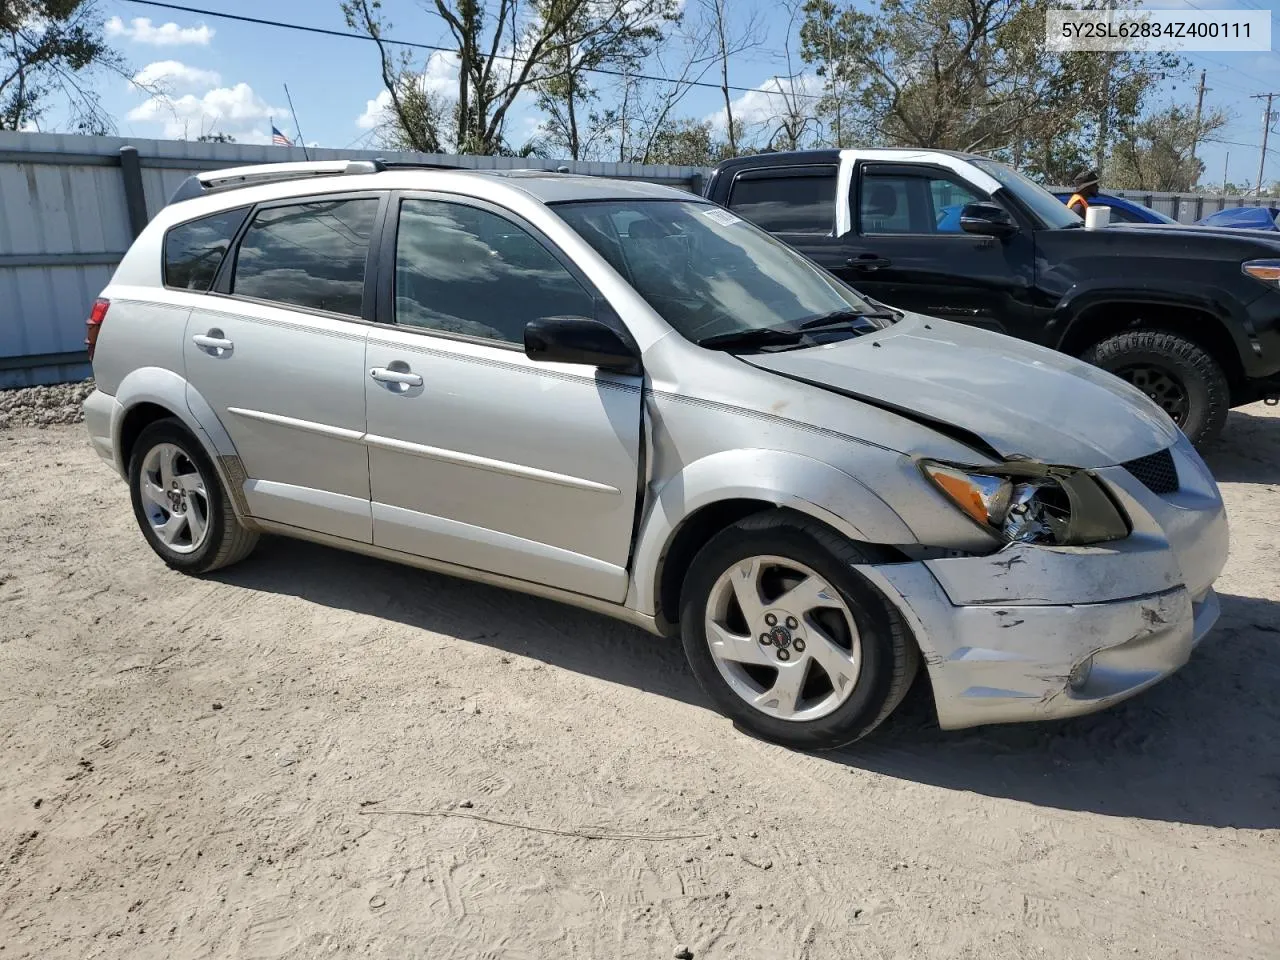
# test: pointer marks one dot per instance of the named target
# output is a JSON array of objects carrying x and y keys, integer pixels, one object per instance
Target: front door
[
  {"x": 906, "y": 249},
  {"x": 479, "y": 456},
  {"x": 278, "y": 352}
]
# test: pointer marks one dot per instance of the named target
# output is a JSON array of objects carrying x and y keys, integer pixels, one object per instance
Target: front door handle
[
  {"x": 383, "y": 375},
  {"x": 214, "y": 342},
  {"x": 868, "y": 261}
]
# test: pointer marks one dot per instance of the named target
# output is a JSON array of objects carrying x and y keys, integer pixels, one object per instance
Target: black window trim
[
  {"x": 792, "y": 172},
  {"x": 246, "y": 208},
  {"x": 221, "y": 287},
  {"x": 385, "y": 314},
  {"x": 923, "y": 171}
]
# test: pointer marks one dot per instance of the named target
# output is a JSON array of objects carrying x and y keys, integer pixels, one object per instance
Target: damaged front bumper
[
  {"x": 999, "y": 663},
  {"x": 1034, "y": 633}
]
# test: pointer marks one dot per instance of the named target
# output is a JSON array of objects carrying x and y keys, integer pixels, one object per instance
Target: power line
[{"x": 435, "y": 48}]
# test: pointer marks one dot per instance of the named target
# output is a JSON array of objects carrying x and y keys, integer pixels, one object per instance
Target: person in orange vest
[{"x": 1086, "y": 185}]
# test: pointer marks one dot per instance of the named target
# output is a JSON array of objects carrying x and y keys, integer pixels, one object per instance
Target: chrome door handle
[
  {"x": 383, "y": 375},
  {"x": 211, "y": 342}
]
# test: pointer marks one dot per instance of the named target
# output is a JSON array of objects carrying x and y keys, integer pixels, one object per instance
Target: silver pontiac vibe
[{"x": 623, "y": 397}]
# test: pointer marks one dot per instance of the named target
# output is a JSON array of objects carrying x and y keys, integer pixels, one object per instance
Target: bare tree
[{"x": 731, "y": 38}]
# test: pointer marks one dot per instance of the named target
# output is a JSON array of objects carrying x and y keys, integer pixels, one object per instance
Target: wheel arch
[
  {"x": 149, "y": 394},
  {"x": 711, "y": 494},
  {"x": 1095, "y": 319}
]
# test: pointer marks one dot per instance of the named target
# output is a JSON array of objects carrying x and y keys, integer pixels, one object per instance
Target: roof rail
[{"x": 230, "y": 178}]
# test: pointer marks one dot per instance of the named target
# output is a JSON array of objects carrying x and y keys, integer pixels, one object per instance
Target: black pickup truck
[{"x": 1190, "y": 315}]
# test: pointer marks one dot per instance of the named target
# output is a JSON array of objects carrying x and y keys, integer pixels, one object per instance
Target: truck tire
[{"x": 1178, "y": 375}]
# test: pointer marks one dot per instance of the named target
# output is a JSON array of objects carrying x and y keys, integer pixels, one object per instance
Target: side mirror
[
  {"x": 579, "y": 340},
  {"x": 987, "y": 220}
]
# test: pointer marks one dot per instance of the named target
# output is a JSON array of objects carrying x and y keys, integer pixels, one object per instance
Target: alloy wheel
[
  {"x": 783, "y": 638},
  {"x": 174, "y": 498}
]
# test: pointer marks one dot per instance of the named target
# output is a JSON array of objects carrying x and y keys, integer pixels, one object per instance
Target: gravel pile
[{"x": 43, "y": 406}]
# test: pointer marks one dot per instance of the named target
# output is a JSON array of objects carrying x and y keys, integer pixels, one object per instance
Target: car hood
[{"x": 1012, "y": 397}]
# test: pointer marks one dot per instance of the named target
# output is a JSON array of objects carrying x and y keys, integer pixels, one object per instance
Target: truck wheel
[
  {"x": 787, "y": 640},
  {"x": 1179, "y": 375}
]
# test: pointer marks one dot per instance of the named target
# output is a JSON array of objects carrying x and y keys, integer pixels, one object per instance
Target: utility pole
[
  {"x": 1195, "y": 130},
  {"x": 1225, "y": 161},
  {"x": 1266, "y": 129}
]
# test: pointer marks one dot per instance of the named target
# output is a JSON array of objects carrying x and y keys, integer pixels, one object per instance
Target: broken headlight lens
[{"x": 1026, "y": 502}]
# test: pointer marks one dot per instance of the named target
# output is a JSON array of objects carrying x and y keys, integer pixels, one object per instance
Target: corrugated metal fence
[{"x": 71, "y": 205}]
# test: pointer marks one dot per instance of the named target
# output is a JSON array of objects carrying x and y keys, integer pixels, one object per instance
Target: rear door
[
  {"x": 479, "y": 456},
  {"x": 797, "y": 204},
  {"x": 278, "y": 351}
]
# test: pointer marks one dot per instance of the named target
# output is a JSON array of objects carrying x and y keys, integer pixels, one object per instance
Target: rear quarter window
[
  {"x": 786, "y": 202},
  {"x": 193, "y": 251}
]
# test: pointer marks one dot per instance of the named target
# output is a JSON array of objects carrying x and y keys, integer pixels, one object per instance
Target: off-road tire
[{"x": 1202, "y": 377}]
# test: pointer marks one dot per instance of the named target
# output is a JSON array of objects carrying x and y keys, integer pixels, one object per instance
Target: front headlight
[{"x": 1025, "y": 502}]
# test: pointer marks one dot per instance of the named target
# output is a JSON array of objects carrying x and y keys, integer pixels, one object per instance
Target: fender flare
[
  {"x": 166, "y": 389},
  {"x": 788, "y": 480},
  {"x": 1080, "y": 299}
]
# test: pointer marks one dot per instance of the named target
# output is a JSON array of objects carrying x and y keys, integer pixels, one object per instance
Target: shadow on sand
[{"x": 1202, "y": 747}]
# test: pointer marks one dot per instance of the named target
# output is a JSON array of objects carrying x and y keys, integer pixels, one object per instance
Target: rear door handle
[
  {"x": 868, "y": 261},
  {"x": 213, "y": 341},
  {"x": 383, "y": 375}
]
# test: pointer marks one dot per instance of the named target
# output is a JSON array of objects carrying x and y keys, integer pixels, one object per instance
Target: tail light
[{"x": 93, "y": 326}]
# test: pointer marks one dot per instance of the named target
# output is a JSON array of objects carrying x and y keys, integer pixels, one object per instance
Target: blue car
[
  {"x": 1125, "y": 211},
  {"x": 1244, "y": 218}
]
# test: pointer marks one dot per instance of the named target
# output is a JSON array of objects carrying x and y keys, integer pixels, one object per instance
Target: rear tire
[
  {"x": 1179, "y": 375},
  {"x": 179, "y": 502},
  {"x": 821, "y": 660}
]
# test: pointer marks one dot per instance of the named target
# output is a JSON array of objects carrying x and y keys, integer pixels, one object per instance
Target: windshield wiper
[
  {"x": 854, "y": 318},
  {"x": 755, "y": 337}
]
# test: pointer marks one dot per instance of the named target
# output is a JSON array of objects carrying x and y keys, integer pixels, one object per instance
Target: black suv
[{"x": 1190, "y": 315}]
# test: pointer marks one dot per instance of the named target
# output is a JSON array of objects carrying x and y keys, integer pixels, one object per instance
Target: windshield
[
  {"x": 709, "y": 273},
  {"x": 1048, "y": 208}
]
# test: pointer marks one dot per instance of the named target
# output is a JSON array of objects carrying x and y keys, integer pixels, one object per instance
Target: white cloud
[
  {"x": 235, "y": 110},
  {"x": 172, "y": 76},
  {"x": 771, "y": 99},
  {"x": 439, "y": 78},
  {"x": 142, "y": 30}
]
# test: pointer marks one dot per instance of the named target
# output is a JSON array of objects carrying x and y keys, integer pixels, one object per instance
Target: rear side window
[
  {"x": 308, "y": 255},
  {"x": 193, "y": 251},
  {"x": 787, "y": 203}
]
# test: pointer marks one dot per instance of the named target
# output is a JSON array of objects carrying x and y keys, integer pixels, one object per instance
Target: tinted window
[
  {"x": 308, "y": 255},
  {"x": 194, "y": 251},
  {"x": 1121, "y": 215},
  {"x": 787, "y": 204},
  {"x": 463, "y": 270},
  {"x": 912, "y": 203}
]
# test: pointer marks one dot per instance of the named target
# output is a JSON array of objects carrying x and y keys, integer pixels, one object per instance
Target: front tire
[
  {"x": 178, "y": 500},
  {"x": 787, "y": 640},
  {"x": 1179, "y": 375}
]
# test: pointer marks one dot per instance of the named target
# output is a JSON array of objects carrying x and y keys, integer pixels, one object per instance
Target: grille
[{"x": 1156, "y": 471}]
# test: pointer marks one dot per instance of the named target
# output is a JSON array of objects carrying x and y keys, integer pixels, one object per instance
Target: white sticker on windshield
[{"x": 722, "y": 217}]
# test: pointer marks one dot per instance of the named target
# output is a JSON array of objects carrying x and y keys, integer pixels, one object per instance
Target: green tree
[
  {"x": 613, "y": 34},
  {"x": 1156, "y": 152},
  {"x": 973, "y": 75},
  {"x": 49, "y": 50},
  {"x": 689, "y": 143}
]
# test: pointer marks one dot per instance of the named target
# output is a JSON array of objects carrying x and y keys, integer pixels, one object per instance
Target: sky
[{"x": 229, "y": 77}]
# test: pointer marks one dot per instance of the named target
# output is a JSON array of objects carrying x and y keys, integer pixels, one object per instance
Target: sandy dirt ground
[{"x": 244, "y": 766}]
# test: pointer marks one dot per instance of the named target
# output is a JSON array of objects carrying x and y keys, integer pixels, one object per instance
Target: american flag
[{"x": 278, "y": 139}]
